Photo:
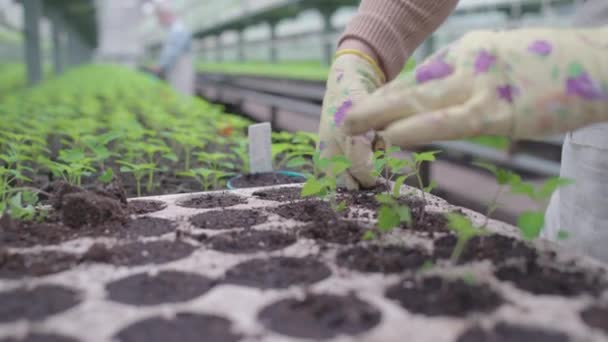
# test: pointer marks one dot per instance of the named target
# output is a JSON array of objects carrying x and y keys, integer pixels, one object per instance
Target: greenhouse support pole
[
  {"x": 219, "y": 52},
  {"x": 32, "y": 12},
  {"x": 326, "y": 43},
  {"x": 241, "y": 45},
  {"x": 274, "y": 49},
  {"x": 57, "y": 33}
]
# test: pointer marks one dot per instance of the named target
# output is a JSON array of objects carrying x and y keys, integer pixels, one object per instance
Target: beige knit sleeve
[{"x": 395, "y": 28}]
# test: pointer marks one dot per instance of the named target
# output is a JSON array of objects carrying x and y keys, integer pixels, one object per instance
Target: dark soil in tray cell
[
  {"x": 140, "y": 207},
  {"x": 333, "y": 231},
  {"x": 430, "y": 223},
  {"x": 286, "y": 194},
  {"x": 496, "y": 248},
  {"x": 382, "y": 259},
  {"x": 264, "y": 179},
  {"x": 84, "y": 209},
  {"x": 596, "y": 317},
  {"x": 277, "y": 273},
  {"x": 165, "y": 287},
  {"x": 138, "y": 253},
  {"x": 436, "y": 296},
  {"x": 148, "y": 226},
  {"x": 251, "y": 241},
  {"x": 37, "y": 303},
  {"x": 542, "y": 280},
  {"x": 29, "y": 234},
  {"x": 184, "y": 327},
  {"x": 208, "y": 201},
  {"x": 39, "y": 338},
  {"x": 307, "y": 211},
  {"x": 15, "y": 266},
  {"x": 505, "y": 332},
  {"x": 229, "y": 219},
  {"x": 320, "y": 316}
]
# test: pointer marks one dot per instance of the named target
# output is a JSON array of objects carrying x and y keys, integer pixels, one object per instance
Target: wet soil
[
  {"x": 229, "y": 219},
  {"x": 496, "y": 248},
  {"x": 286, "y": 194},
  {"x": 40, "y": 338},
  {"x": 320, "y": 316},
  {"x": 141, "y": 207},
  {"x": 382, "y": 259},
  {"x": 37, "y": 303},
  {"x": 138, "y": 253},
  {"x": 184, "y": 327},
  {"x": 333, "y": 231},
  {"x": 250, "y": 241},
  {"x": 545, "y": 280},
  {"x": 436, "y": 296},
  {"x": 277, "y": 273},
  {"x": 506, "y": 332},
  {"x": 208, "y": 201},
  {"x": 264, "y": 179},
  {"x": 596, "y": 317},
  {"x": 84, "y": 209},
  {"x": 16, "y": 266},
  {"x": 307, "y": 211},
  {"x": 164, "y": 287},
  {"x": 29, "y": 234}
]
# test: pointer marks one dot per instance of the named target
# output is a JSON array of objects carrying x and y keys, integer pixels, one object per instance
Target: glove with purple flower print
[
  {"x": 352, "y": 78},
  {"x": 523, "y": 83}
]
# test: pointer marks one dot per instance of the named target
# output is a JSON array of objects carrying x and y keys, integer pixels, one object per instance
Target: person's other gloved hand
[
  {"x": 522, "y": 83},
  {"x": 352, "y": 78}
]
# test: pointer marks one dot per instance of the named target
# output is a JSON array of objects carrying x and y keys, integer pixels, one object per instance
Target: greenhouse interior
[{"x": 304, "y": 170}]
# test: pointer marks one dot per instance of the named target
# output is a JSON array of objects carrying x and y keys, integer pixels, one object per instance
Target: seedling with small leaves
[
  {"x": 323, "y": 182},
  {"x": 208, "y": 178},
  {"x": 465, "y": 230},
  {"x": 139, "y": 171}
]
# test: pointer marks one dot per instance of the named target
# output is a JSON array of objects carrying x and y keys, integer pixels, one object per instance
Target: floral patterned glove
[
  {"x": 352, "y": 78},
  {"x": 521, "y": 83}
]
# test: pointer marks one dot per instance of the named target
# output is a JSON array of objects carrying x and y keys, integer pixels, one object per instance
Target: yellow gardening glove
[
  {"x": 352, "y": 78},
  {"x": 521, "y": 83}
]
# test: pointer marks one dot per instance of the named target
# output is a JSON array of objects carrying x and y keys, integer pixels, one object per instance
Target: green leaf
[
  {"x": 486, "y": 166},
  {"x": 312, "y": 187},
  {"x": 340, "y": 207},
  {"x": 531, "y": 223},
  {"x": 385, "y": 199},
  {"x": 297, "y": 162},
  {"x": 397, "y": 186},
  {"x": 554, "y": 183},
  {"x": 339, "y": 164},
  {"x": 388, "y": 219},
  {"x": 461, "y": 225},
  {"x": 426, "y": 156},
  {"x": 106, "y": 176},
  {"x": 523, "y": 188},
  {"x": 431, "y": 186},
  {"x": 469, "y": 279},
  {"x": 405, "y": 215},
  {"x": 369, "y": 236}
]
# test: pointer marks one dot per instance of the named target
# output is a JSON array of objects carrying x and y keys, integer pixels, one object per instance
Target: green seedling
[
  {"x": 98, "y": 147},
  {"x": 207, "y": 178},
  {"x": 21, "y": 206},
  {"x": 465, "y": 230},
  {"x": 73, "y": 164},
  {"x": 216, "y": 161},
  {"x": 322, "y": 182},
  {"x": 139, "y": 171},
  {"x": 391, "y": 215},
  {"x": 504, "y": 178}
]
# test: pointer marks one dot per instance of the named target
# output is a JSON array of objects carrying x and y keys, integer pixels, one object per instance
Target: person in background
[
  {"x": 525, "y": 84},
  {"x": 176, "y": 62}
]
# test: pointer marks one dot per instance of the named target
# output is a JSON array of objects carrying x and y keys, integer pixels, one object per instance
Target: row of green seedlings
[{"x": 392, "y": 213}]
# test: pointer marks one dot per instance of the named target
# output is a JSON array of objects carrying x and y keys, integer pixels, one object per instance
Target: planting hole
[
  {"x": 506, "y": 332},
  {"x": 286, "y": 194},
  {"x": 381, "y": 259},
  {"x": 251, "y": 241},
  {"x": 37, "y": 303},
  {"x": 307, "y": 211},
  {"x": 496, "y": 248},
  {"x": 148, "y": 226},
  {"x": 15, "y": 266},
  {"x": 596, "y": 317},
  {"x": 138, "y": 253},
  {"x": 206, "y": 201},
  {"x": 335, "y": 231},
  {"x": 140, "y": 207},
  {"x": 228, "y": 219}
]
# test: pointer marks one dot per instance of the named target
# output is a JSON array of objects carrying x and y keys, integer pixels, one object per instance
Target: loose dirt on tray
[
  {"x": 496, "y": 248},
  {"x": 141, "y": 207},
  {"x": 307, "y": 211},
  {"x": 209, "y": 201},
  {"x": 138, "y": 253},
  {"x": 596, "y": 317},
  {"x": 277, "y": 273},
  {"x": 333, "y": 231},
  {"x": 382, "y": 259},
  {"x": 320, "y": 316},
  {"x": 163, "y": 288},
  {"x": 250, "y": 241},
  {"x": 37, "y": 303},
  {"x": 285, "y": 194},
  {"x": 228, "y": 219},
  {"x": 184, "y": 327},
  {"x": 505, "y": 332},
  {"x": 147, "y": 227},
  {"x": 16, "y": 265},
  {"x": 264, "y": 179},
  {"x": 40, "y": 338},
  {"x": 436, "y": 296}
]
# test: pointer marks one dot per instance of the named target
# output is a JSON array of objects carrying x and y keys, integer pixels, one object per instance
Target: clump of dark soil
[
  {"x": 547, "y": 280},
  {"x": 496, "y": 248},
  {"x": 37, "y": 303},
  {"x": 146, "y": 227},
  {"x": 436, "y": 296},
  {"x": 165, "y": 287},
  {"x": 286, "y": 194},
  {"x": 184, "y": 327},
  {"x": 15, "y": 265},
  {"x": 596, "y": 317},
  {"x": 320, "y": 316},
  {"x": 382, "y": 259},
  {"x": 333, "y": 231},
  {"x": 138, "y": 253},
  {"x": 277, "y": 273},
  {"x": 28, "y": 234},
  {"x": 264, "y": 179},
  {"x": 307, "y": 211},
  {"x": 506, "y": 332},
  {"x": 207, "y": 201},
  {"x": 251, "y": 241},
  {"x": 228, "y": 219},
  {"x": 39, "y": 338},
  {"x": 141, "y": 207}
]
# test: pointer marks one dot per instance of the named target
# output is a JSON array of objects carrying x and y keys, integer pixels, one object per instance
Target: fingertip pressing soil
[
  {"x": 546, "y": 280},
  {"x": 277, "y": 273},
  {"x": 596, "y": 317},
  {"x": 207, "y": 201},
  {"x": 37, "y": 303},
  {"x": 148, "y": 226},
  {"x": 15, "y": 266},
  {"x": 165, "y": 287},
  {"x": 264, "y": 179},
  {"x": 320, "y": 316},
  {"x": 251, "y": 241},
  {"x": 138, "y": 253},
  {"x": 307, "y": 211},
  {"x": 141, "y": 207},
  {"x": 285, "y": 194},
  {"x": 381, "y": 259},
  {"x": 184, "y": 327},
  {"x": 496, "y": 248},
  {"x": 333, "y": 231},
  {"x": 436, "y": 296},
  {"x": 88, "y": 209},
  {"x": 40, "y": 338},
  {"x": 228, "y": 219},
  {"x": 505, "y": 332}
]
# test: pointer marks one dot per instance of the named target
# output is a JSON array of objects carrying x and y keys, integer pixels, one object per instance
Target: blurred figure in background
[{"x": 176, "y": 62}]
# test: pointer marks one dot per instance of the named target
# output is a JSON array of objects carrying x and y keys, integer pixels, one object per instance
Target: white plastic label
[{"x": 260, "y": 154}]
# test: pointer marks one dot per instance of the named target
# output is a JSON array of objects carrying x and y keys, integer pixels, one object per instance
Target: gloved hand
[
  {"x": 522, "y": 83},
  {"x": 353, "y": 77}
]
